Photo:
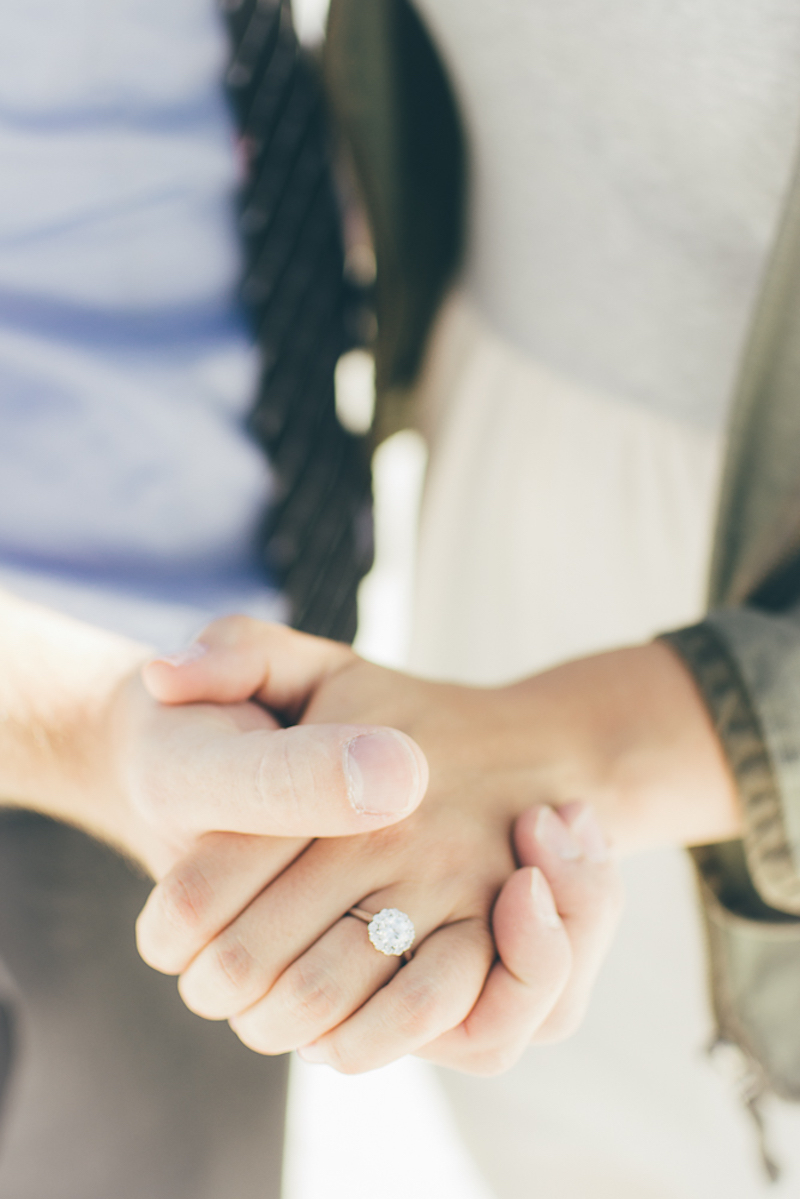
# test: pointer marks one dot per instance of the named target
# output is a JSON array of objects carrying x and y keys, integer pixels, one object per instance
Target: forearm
[
  {"x": 58, "y": 679},
  {"x": 629, "y": 732},
  {"x": 626, "y": 731}
]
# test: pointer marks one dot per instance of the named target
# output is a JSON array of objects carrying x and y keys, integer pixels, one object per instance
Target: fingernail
[
  {"x": 555, "y": 836},
  {"x": 543, "y": 902},
  {"x": 190, "y": 654},
  {"x": 312, "y": 1054},
  {"x": 383, "y": 775},
  {"x": 586, "y": 829}
]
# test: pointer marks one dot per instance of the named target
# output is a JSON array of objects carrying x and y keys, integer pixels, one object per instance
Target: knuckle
[
  {"x": 416, "y": 1008},
  {"x": 184, "y": 899},
  {"x": 233, "y": 964},
  {"x": 316, "y": 997},
  {"x": 300, "y": 779},
  {"x": 279, "y": 786},
  {"x": 221, "y": 981}
]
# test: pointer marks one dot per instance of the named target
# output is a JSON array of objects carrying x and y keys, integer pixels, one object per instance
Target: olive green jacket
[
  {"x": 398, "y": 118},
  {"x": 745, "y": 657}
]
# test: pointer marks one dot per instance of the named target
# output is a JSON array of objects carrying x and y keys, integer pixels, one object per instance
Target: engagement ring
[{"x": 391, "y": 931}]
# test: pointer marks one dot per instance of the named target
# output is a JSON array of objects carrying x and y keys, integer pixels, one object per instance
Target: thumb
[
  {"x": 324, "y": 780},
  {"x": 524, "y": 985},
  {"x": 237, "y": 658}
]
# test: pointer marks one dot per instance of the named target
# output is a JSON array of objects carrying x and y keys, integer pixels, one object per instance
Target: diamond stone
[{"x": 391, "y": 931}]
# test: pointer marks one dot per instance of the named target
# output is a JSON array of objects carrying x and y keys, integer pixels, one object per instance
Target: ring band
[{"x": 390, "y": 931}]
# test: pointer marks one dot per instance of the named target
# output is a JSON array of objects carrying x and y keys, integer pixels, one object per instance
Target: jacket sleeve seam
[{"x": 769, "y": 855}]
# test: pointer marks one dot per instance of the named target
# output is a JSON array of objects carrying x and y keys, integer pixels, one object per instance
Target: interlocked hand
[{"x": 513, "y": 902}]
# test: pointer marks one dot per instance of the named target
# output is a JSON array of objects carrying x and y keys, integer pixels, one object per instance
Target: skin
[
  {"x": 83, "y": 741},
  {"x": 286, "y": 984},
  {"x": 274, "y": 951}
]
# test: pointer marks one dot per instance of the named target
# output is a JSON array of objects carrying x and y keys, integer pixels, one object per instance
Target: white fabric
[
  {"x": 557, "y": 522},
  {"x": 628, "y": 158},
  {"x": 129, "y": 489},
  {"x": 628, "y": 162},
  {"x": 629, "y": 1108}
]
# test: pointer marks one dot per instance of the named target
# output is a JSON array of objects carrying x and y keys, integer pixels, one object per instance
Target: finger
[
  {"x": 204, "y": 892},
  {"x": 243, "y": 962},
  {"x": 430, "y": 995},
  {"x": 570, "y": 849},
  {"x": 315, "y": 780},
  {"x": 336, "y": 976},
  {"x": 238, "y": 658},
  {"x": 523, "y": 987},
  {"x": 317, "y": 992}
]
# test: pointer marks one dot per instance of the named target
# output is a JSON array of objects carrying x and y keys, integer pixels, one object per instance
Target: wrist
[
  {"x": 98, "y": 797},
  {"x": 628, "y": 732},
  {"x": 60, "y": 687}
]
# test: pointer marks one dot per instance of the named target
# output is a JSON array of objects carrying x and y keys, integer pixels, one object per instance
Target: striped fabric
[{"x": 318, "y": 534}]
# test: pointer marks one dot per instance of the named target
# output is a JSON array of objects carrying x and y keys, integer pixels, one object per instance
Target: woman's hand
[
  {"x": 626, "y": 730},
  {"x": 279, "y": 957},
  {"x": 286, "y": 963}
]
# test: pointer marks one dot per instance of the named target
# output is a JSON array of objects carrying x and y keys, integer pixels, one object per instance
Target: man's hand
[
  {"x": 291, "y": 971},
  {"x": 83, "y": 741},
  {"x": 287, "y": 965},
  {"x": 182, "y": 771},
  {"x": 626, "y": 730}
]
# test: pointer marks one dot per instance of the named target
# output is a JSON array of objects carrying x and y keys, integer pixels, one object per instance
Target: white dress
[{"x": 629, "y": 161}]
